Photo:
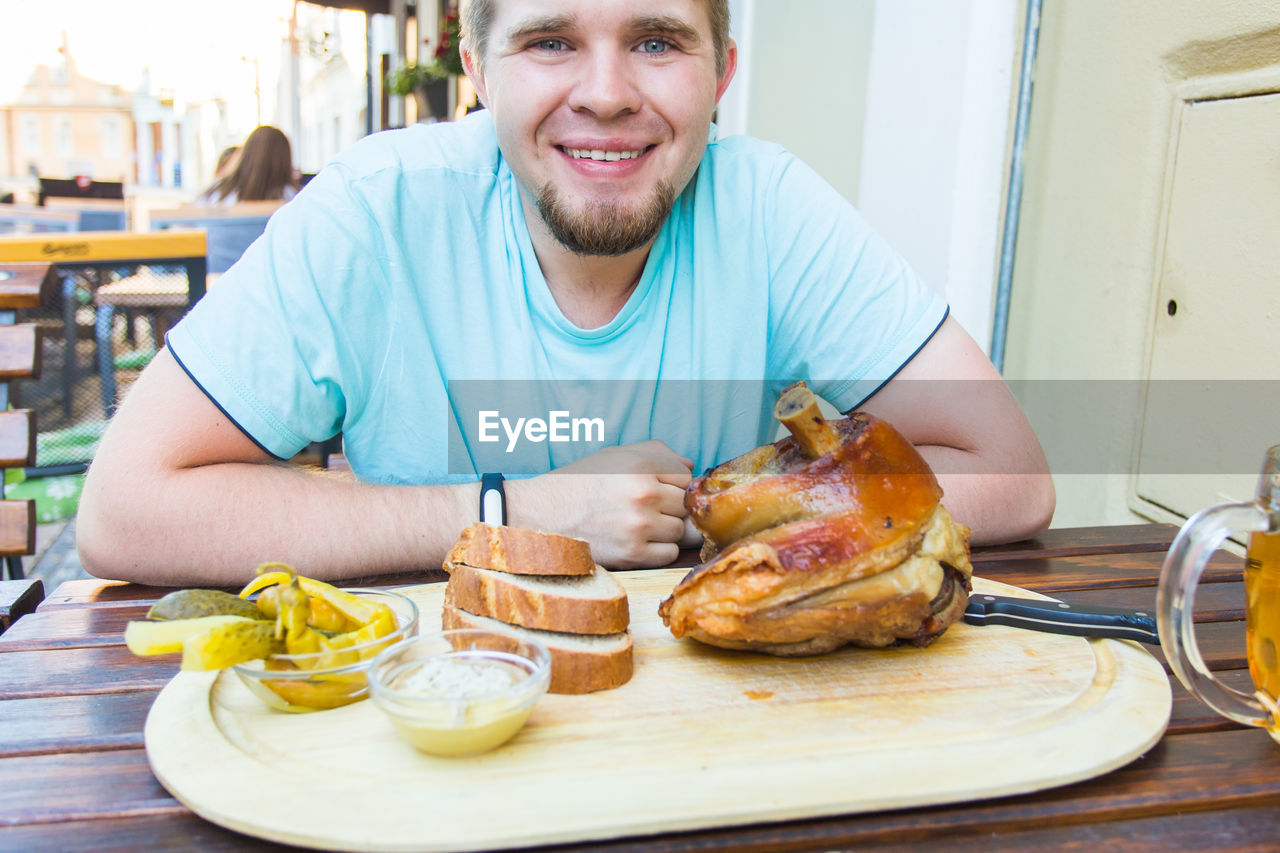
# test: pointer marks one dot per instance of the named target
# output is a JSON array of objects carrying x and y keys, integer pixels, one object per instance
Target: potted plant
[{"x": 427, "y": 79}]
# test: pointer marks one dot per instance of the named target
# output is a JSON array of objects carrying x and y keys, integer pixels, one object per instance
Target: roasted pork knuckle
[{"x": 834, "y": 535}]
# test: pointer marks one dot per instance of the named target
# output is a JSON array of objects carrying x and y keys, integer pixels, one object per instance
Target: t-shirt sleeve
[
  {"x": 264, "y": 343},
  {"x": 847, "y": 312}
]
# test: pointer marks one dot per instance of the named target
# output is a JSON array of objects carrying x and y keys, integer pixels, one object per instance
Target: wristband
[{"x": 493, "y": 500}]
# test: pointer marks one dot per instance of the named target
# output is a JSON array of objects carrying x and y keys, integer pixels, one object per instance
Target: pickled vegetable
[
  {"x": 194, "y": 603},
  {"x": 319, "y": 627},
  {"x": 162, "y": 638},
  {"x": 327, "y": 601},
  {"x": 230, "y": 644}
]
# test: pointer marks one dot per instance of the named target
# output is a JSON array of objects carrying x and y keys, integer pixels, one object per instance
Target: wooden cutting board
[{"x": 699, "y": 737}]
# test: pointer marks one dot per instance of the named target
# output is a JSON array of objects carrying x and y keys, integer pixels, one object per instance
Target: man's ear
[
  {"x": 730, "y": 66},
  {"x": 471, "y": 65}
]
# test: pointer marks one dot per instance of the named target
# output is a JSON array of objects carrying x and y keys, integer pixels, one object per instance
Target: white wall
[
  {"x": 940, "y": 84},
  {"x": 731, "y": 114},
  {"x": 802, "y": 81},
  {"x": 904, "y": 106}
]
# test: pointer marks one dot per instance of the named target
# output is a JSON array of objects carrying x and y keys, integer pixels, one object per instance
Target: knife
[{"x": 1056, "y": 617}]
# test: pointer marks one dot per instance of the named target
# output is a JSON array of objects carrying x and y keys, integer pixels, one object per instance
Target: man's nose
[{"x": 606, "y": 86}]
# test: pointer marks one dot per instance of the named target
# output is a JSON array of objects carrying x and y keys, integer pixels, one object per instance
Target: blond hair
[{"x": 476, "y": 16}]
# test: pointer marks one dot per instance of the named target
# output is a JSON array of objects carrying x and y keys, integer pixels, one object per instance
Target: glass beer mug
[{"x": 1191, "y": 550}]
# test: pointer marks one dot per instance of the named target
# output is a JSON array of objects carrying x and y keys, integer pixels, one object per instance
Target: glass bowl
[
  {"x": 323, "y": 680},
  {"x": 460, "y": 692}
]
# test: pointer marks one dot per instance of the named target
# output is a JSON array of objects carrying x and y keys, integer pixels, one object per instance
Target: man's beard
[{"x": 602, "y": 228}]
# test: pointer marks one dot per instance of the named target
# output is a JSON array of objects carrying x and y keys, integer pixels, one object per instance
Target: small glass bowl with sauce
[
  {"x": 460, "y": 692},
  {"x": 323, "y": 680}
]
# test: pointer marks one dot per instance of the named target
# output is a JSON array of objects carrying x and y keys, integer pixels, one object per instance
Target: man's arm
[
  {"x": 177, "y": 494},
  {"x": 950, "y": 401}
]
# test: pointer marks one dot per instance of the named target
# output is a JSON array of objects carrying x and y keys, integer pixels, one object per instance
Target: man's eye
[
  {"x": 550, "y": 44},
  {"x": 655, "y": 45}
]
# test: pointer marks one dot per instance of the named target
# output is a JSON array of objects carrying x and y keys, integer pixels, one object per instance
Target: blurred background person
[
  {"x": 226, "y": 161},
  {"x": 263, "y": 171}
]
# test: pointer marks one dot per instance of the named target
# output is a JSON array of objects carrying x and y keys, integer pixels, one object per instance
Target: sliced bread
[
  {"x": 574, "y": 604},
  {"x": 519, "y": 551},
  {"x": 580, "y": 663}
]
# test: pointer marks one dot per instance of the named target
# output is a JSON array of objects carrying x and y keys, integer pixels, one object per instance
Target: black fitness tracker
[{"x": 493, "y": 500}]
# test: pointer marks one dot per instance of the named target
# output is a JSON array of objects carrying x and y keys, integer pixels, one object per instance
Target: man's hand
[{"x": 628, "y": 502}]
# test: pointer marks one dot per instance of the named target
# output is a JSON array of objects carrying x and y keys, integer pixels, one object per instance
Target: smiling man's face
[{"x": 602, "y": 109}]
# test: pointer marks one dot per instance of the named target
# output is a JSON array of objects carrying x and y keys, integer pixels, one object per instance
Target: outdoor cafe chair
[
  {"x": 21, "y": 286},
  {"x": 229, "y": 229},
  {"x": 94, "y": 214},
  {"x": 32, "y": 219}
]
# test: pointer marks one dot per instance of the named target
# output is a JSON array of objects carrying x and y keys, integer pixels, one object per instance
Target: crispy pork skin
[{"x": 806, "y": 554}]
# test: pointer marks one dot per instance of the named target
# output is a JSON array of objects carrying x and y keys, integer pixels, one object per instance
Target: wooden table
[{"x": 74, "y": 773}]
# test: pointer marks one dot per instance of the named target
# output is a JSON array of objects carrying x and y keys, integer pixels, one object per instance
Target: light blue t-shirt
[{"x": 398, "y": 300}]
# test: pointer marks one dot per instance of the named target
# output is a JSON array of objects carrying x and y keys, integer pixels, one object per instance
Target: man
[{"x": 581, "y": 228}]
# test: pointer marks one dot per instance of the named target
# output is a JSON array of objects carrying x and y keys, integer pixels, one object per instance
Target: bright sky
[{"x": 193, "y": 47}]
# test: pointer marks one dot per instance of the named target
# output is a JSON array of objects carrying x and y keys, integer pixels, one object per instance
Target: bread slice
[
  {"x": 519, "y": 551},
  {"x": 573, "y": 604},
  {"x": 580, "y": 663}
]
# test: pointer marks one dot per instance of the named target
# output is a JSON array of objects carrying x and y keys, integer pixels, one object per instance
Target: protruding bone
[{"x": 797, "y": 410}]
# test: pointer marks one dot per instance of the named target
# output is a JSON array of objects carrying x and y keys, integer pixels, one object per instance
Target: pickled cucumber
[
  {"x": 194, "y": 603},
  {"x": 161, "y": 638},
  {"x": 231, "y": 643}
]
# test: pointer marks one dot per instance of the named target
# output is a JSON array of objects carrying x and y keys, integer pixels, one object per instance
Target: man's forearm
[
  {"x": 214, "y": 524},
  {"x": 998, "y": 502}
]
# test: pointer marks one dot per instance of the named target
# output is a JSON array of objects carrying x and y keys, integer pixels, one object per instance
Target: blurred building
[
  {"x": 159, "y": 136},
  {"x": 65, "y": 124},
  {"x": 323, "y": 91}
]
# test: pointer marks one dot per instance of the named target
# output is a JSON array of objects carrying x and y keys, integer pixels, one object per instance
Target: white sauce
[{"x": 458, "y": 678}]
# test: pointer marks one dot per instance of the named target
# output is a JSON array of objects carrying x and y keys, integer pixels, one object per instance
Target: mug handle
[{"x": 1195, "y": 543}]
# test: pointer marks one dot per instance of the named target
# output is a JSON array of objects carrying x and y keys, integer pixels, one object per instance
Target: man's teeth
[{"x": 597, "y": 154}]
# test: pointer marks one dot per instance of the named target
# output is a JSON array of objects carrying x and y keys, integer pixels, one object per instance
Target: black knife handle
[{"x": 1057, "y": 617}]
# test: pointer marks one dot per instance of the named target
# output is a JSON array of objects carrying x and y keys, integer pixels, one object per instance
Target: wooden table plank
[
  {"x": 73, "y": 723},
  {"x": 69, "y": 627},
  {"x": 1238, "y": 829},
  {"x": 1068, "y": 541},
  {"x": 1214, "y": 602},
  {"x": 1221, "y": 645},
  {"x": 1101, "y": 571},
  {"x": 51, "y": 788},
  {"x": 100, "y": 593},
  {"x": 26, "y": 285},
  {"x": 82, "y": 672},
  {"x": 17, "y": 599},
  {"x": 176, "y": 832},
  {"x": 1191, "y": 715}
]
